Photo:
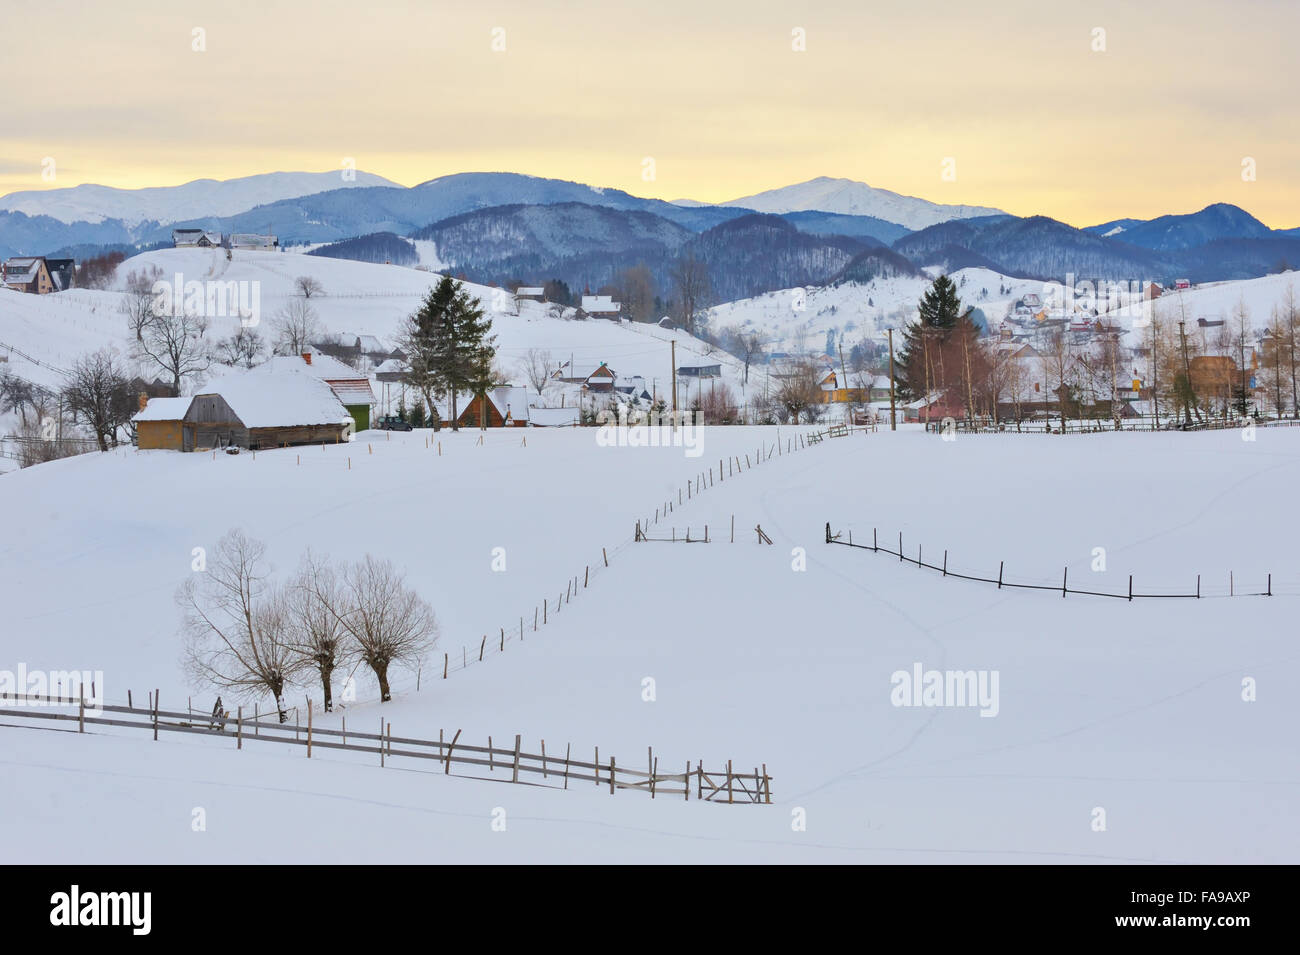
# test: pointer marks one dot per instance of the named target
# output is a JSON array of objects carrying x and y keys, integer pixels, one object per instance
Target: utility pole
[
  {"x": 1187, "y": 375},
  {"x": 674, "y": 346},
  {"x": 893, "y": 418},
  {"x": 846, "y": 384}
]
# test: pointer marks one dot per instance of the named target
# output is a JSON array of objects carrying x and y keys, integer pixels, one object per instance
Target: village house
[
  {"x": 700, "y": 370},
  {"x": 195, "y": 239},
  {"x": 253, "y": 241},
  {"x": 601, "y": 306},
  {"x": 39, "y": 275},
  {"x": 245, "y": 410},
  {"x": 596, "y": 377}
]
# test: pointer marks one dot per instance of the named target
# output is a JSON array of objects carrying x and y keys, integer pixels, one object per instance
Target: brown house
[{"x": 246, "y": 410}]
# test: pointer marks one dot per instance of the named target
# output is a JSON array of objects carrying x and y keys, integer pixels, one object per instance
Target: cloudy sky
[{"x": 1034, "y": 115}]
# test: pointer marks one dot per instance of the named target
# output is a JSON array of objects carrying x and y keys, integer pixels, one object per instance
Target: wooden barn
[{"x": 246, "y": 410}]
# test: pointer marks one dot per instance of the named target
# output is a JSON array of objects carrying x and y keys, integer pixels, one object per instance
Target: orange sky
[{"x": 1036, "y": 121}]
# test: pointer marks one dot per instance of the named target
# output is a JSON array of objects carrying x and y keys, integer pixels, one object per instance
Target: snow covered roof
[
  {"x": 263, "y": 400},
  {"x": 351, "y": 387},
  {"x": 600, "y": 303},
  {"x": 391, "y": 365},
  {"x": 163, "y": 409},
  {"x": 527, "y": 290},
  {"x": 552, "y": 417},
  {"x": 23, "y": 270}
]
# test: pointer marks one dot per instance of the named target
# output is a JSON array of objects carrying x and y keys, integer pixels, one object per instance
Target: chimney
[
  {"x": 144, "y": 400},
  {"x": 306, "y": 356}
]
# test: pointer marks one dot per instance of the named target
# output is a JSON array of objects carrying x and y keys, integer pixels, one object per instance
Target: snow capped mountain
[
  {"x": 200, "y": 198},
  {"x": 848, "y": 197}
]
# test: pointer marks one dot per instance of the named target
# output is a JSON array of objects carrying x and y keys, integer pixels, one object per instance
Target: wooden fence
[
  {"x": 1063, "y": 588},
  {"x": 510, "y": 763}
]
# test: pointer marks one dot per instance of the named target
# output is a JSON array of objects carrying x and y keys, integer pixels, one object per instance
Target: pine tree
[
  {"x": 448, "y": 345},
  {"x": 938, "y": 313}
]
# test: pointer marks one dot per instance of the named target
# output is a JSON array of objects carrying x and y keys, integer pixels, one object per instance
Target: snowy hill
[
  {"x": 847, "y": 197},
  {"x": 359, "y": 298},
  {"x": 808, "y": 319},
  {"x": 201, "y": 198},
  {"x": 1136, "y": 708}
]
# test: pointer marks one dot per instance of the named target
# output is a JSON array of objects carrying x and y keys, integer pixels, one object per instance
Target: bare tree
[
  {"x": 246, "y": 347},
  {"x": 387, "y": 622},
  {"x": 537, "y": 367},
  {"x": 236, "y": 622},
  {"x": 97, "y": 391},
  {"x": 690, "y": 277},
  {"x": 315, "y": 632},
  {"x": 296, "y": 327},
  {"x": 176, "y": 342},
  {"x": 307, "y": 286},
  {"x": 798, "y": 391},
  {"x": 138, "y": 299}
]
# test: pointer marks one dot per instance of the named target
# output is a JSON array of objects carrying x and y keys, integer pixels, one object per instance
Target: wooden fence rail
[
  {"x": 1062, "y": 588},
  {"x": 556, "y": 771}
]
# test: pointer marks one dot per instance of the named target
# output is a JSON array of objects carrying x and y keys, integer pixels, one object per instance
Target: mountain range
[{"x": 498, "y": 227}]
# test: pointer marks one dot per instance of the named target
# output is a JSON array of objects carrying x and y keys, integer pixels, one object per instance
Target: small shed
[{"x": 159, "y": 424}]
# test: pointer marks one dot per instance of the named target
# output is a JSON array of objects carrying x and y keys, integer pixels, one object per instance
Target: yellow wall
[{"x": 158, "y": 435}]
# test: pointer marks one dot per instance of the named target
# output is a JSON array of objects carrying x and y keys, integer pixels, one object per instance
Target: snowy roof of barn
[
  {"x": 163, "y": 409},
  {"x": 264, "y": 400},
  {"x": 351, "y": 387}
]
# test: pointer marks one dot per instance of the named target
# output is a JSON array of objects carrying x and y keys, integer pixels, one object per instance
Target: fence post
[
  {"x": 945, "y": 563},
  {"x": 1000, "y": 564},
  {"x": 381, "y": 742},
  {"x": 900, "y": 547},
  {"x": 874, "y": 547},
  {"x": 515, "y": 778},
  {"x": 1130, "y": 587},
  {"x": 1065, "y": 576},
  {"x": 309, "y": 727},
  {"x": 444, "y": 666},
  {"x": 1270, "y": 586},
  {"x": 81, "y": 712},
  {"x": 1198, "y": 586},
  {"x": 447, "y": 769},
  {"x": 155, "y": 714},
  {"x": 686, "y": 781},
  {"x": 729, "y": 792},
  {"x": 484, "y": 644},
  {"x": 611, "y": 775},
  {"x": 239, "y": 728}
]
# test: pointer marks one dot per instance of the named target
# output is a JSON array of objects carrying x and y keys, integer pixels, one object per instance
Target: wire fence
[
  {"x": 508, "y": 764},
  {"x": 1063, "y": 588}
]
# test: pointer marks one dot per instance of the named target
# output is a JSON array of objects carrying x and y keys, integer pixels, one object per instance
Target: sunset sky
[{"x": 1036, "y": 121}]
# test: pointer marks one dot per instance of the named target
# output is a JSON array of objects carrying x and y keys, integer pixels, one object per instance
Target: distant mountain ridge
[
  {"x": 848, "y": 197},
  {"x": 165, "y": 204}
]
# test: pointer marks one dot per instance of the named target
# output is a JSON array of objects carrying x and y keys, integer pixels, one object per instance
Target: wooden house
[
  {"x": 246, "y": 410},
  {"x": 38, "y": 275},
  {"x": 349, "y": 386}
]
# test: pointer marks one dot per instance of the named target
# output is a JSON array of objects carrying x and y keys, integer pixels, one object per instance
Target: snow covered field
[{"x": 1135, "y": 708}]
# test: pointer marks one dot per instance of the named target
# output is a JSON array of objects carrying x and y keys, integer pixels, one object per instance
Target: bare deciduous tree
[
  {"x": 537, "y": 366},
  {"x": 690, "y": 277},
  {"x": 138, "y": 299},
  {"x": 387, "y": 622},
  {"x": 236, "y": 622},
  {"x": 97, "y": 391},
  {"x": 176, "y": 342},
  {"x": 315, "y": 631},
  {"x": 307, "y": 286},
  {"x": 245, "y": 348},
  {"x": 296, "y": 327},
  {"x": 798, "y": 391}
]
